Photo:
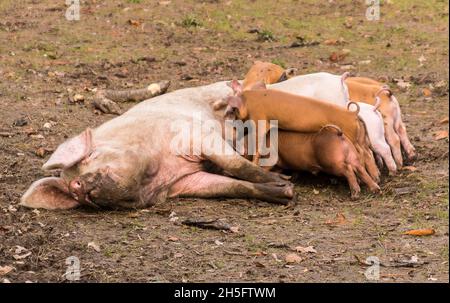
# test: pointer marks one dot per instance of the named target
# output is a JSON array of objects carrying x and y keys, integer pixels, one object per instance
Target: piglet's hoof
[{"x": 354, "y": 196}]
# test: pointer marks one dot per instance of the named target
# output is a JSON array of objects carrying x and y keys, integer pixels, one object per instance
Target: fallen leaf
[
  {"x": 77, "y": 98},
  {"x": 133, "y": 215},
  {"x": 422, "y": 59},
  {"x": 276, "y": 257},
  {"x": 234, "y": 229},
  {"x": 420, "y": 232},
  {"x": 444, "y": 120},
  {"x": 173, "y": 239},
  {"x": 348, "y": 22},
  {"x": 338, "y": 220},
  {"x": 20, "y": 257},
  {"x": 5, "y": 270},
  {"x": 316, "y": 192},
  {"x": 40, "y": 152},
  {"x": 330, "y": 42},
  {"x": 293, "y": 258},
  {"x": 426, "y": 92},
  {"x": 134, "y": 22},
  {"x": 402, "y": 84},
  {"x": 409, "y": 168},
  {"x": 94, "y": 246},
  {"x": 218, "y": 243},
  {"x": 309, "y": 249},
  {"x": 440, "y": 134},
  {"x": 339, "y": 56},
  {"x": 365, "y": 62},
  {"x": 334, "y": 41},
  {"x": 20, "y": 249}
]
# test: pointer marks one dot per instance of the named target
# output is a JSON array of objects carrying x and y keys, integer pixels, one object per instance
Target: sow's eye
[{"x": 94, "y": 154}]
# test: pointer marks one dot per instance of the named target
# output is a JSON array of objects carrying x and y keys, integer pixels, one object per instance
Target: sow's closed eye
[{"x": 71, "y": 152}]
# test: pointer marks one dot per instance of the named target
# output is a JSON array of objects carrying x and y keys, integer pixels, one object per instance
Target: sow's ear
[
  {"x": 236, "y": 87},
  {"x": 70, "y": 152},
  {"x": 48, "y": 193}
]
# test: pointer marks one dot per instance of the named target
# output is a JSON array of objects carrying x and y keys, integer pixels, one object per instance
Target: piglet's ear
[
  {"x": 236, "y": 87},
  {"x": 259, "y": 85},
  {"x": 70, "y": 152}
]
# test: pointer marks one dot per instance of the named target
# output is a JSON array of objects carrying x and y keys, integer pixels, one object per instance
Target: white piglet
[{"x": 332, "y": 88}]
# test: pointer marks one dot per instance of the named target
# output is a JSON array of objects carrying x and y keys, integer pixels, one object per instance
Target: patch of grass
[
  {"x": 134, "y": 1},
  {"x": 279, "y": 62},
  {"x": 265, "y": 35},
  {"x": 191, "y": 21}
]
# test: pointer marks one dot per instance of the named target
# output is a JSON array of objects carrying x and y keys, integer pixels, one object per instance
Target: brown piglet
[
  {"x": 327, "y": 150},
  {"x": 300, "y": 114}
]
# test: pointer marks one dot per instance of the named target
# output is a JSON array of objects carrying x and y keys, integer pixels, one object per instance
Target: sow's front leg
[
  {"x": 224, "y": 156},
  {"x": 207, "y": 185}
]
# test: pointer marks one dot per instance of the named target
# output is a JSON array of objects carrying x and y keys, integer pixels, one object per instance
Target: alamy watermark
[
  {"x": 372, "y": 273},
  {"x": 73, "y": 11},
  {"x": 373, "y": 10},
  {"x": 73, "y": 270},
  {"x": 198, "y": 137}
]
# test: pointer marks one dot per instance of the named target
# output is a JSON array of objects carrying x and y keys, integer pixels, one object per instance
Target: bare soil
[{"x": 45, "y": 60}]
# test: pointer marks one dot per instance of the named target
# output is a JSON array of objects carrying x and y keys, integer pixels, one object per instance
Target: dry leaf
[
  {"x": 338, "y": 220},
  {"x": 20, "y": 257},
  {"x": 443, "y": 121},
  {"x": 293, "y": 258},
  {"x": 234, "y": 229},
  {"x": 309, "y": 249},
  {"x": 276, "y": 257},
  {"x": 440, "y": 134},
  {"x": 330, "y": 42},
  {"x": 409, "y": 168},
  {"x": 420, "y": 232},
  {"x": 402, "y": 83},
  {"x": 339, "y": 56},
  {"x": 173, "y": 239},
  {"x": 94, "y": 246},
  {"x": 5, "y": 270},
  {"x": 134, "y": 22},
  {"x": 426, "y": 92}
]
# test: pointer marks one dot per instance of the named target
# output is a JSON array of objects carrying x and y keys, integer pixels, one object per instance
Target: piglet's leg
[
  {"x": 224, "y": 156},
  {"x": 206, "y": 185},
  {"x": 382, "y": 149},
  {"x": 352, "y": 181},
  {"x": 393, "y": 141},
  {"x": 366, "y": 179},
  {"x": 406, "y": 144}
]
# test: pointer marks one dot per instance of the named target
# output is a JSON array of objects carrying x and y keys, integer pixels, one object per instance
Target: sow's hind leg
[{"x": 207, "y": 185}]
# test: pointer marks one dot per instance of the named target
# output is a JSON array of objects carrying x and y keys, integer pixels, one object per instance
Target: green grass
[{"x": 191, "y": 21}]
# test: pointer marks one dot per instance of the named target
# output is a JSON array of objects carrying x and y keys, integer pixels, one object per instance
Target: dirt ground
[{"x": 45, "y": 60}]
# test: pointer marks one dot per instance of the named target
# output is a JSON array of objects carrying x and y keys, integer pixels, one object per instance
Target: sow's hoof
[{"x": 276, "y": 192}]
